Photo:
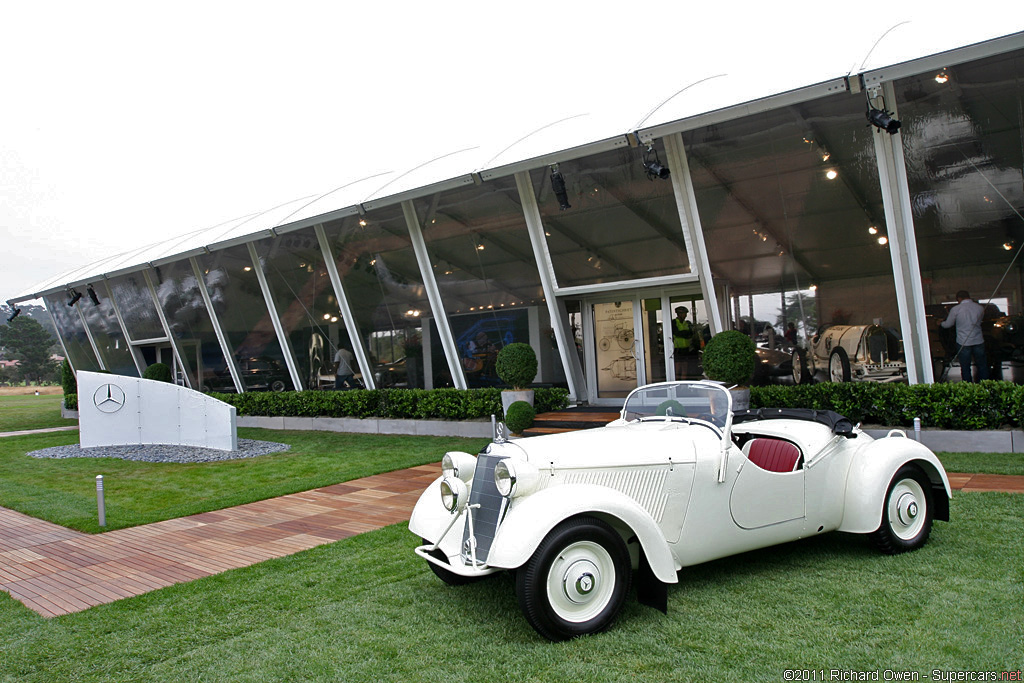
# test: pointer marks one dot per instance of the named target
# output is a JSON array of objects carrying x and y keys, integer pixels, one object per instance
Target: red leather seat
[{"x": 774, "y": 455}]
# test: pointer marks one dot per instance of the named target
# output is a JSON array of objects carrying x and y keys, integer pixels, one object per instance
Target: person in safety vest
[{"x": 686, "y": 344}]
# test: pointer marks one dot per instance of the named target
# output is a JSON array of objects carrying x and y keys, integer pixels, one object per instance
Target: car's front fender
[
  {"x": 531, "y": 518},
  {"x": 873, "y": 468}
]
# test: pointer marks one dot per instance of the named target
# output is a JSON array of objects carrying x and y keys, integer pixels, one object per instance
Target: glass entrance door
[
  {"x": 630, "y": 340},
  {"x": 617, "y": 348}
]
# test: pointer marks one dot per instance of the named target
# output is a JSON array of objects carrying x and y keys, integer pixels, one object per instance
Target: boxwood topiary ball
[
  {"x": 516, "y": 365},
  {"x": 730, "y": 357},
  {"x": 161, "y": 372},
  {"x": 519, "y": 417}
]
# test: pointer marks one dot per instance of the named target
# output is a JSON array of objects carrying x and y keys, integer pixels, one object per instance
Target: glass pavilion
[{"x": 794, "y": 197}]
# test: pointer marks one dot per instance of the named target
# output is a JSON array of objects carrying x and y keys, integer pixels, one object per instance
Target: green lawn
[
  {"x": 31, "y": 412},
  {"x": 367, "y": 609},
  {"x": 984, "y": 463},
  {"x": 64, "y": 491}
]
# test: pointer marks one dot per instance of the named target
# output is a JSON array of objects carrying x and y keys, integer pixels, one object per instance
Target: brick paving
[{"x": 55, "y": 571}]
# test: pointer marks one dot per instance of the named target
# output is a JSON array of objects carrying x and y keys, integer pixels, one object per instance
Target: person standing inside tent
[
  {"x": 684, "y": 342},
  {"x": 966, "y": 316},
  {"x": 344, "y": 375}
]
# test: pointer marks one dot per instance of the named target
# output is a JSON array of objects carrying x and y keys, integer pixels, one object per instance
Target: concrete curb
[
  {"x": 994, "y": 441},
  {"x": 472, "y": 428}
]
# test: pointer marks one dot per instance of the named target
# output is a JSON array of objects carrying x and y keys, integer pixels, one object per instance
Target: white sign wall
[{"x": 114, "y": 410}]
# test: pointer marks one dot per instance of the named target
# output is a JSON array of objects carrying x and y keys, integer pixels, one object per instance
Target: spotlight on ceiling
[
  {"x": 883, "y": 240},
  {"x": 652, "y": 164},
  {"x": 558, "y": 187},
  {"x": 831, "y": 174},
  {"x": 879, "y": 118},
  {"x": 75, "y": 296},
  {"x": 15, "y": 314},
  {"x": 92, "y": 295},
  {"x": 872, "y": 230},
  {"x": 941, "y": 77},
  {"x": 1008, "y": 246}
]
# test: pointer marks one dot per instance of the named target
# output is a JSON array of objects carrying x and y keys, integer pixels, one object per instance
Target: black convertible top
[{"x": 833, "y": 420}]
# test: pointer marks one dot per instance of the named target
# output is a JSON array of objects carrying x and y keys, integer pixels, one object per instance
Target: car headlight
[
  {"x": 515, "y": 478},
  {"x": 454, "y": 494},
  {"x": 456, "y": 464}
]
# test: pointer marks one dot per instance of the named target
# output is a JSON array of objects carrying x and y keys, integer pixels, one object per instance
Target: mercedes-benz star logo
[{"x": 108, "y": 398}]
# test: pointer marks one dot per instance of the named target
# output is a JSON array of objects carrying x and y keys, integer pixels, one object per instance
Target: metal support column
[
  {"x": 346, "y": 311},
  {"x": 140, "y": 363},
  {"x": 148, "y": 275},
  {"x": 60, "y": 338},
  {"x": 906, "y": 269},
  {"x": 558, "y": 314},
  {"x": 92, "y": 342},
  {"x": 419, "y": 246},
  {"x": 275, "y": 319},
  {"x": 693, "y": 233},
  {"x": 222, "y": 340}
]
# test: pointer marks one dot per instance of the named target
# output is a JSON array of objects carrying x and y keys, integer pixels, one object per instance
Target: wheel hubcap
[
  {"x": 836, "y": 369},
  {"x": 581, "y": 581},
  {"x": 905, "y": 503}
]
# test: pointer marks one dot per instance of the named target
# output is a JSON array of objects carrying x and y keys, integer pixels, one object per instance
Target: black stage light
[
  {"x": 884, "y": 120},
  {"x": 652, "y": 165},
  {"x": 17, "y": 311},
  {"x": 92, "y": 295},
  {"x": 558, "y": 187},
  {"x": 75, "y": 296}
]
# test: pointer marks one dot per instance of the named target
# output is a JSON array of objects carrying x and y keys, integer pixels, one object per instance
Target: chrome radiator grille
[{"x": 487, "y": 516}]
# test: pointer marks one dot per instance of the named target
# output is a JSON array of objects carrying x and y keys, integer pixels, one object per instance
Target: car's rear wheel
[
  {"x": 839, "y": 366},
  {"x": 907, "y": 512},
  {"x": 577, "y": 580},
  {"x": 449, "y": 577},
  {"x": 278, "y": 385}
]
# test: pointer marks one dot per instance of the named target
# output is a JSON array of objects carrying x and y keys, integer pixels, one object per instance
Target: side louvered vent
[{"x": 646, "y": 487}]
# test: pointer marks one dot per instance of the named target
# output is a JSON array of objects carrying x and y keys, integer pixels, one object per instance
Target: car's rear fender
[
  {"x": 531, "y": 518},
  {"x": 873, "y": 468}
]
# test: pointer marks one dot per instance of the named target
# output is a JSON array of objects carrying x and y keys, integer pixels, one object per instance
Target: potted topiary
[
  {"x": 161, "y": 372},
  {"x": 519, "y": 416},
  {"x": 516, "y": 365},
  {"x": 730, "y": 357}
]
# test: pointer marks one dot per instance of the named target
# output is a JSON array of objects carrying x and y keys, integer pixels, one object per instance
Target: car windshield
[{"x": 694, "y": 400}]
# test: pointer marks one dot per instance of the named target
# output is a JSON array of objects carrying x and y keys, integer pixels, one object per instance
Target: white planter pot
[
  {"x": 509, "y": 396},
  {"x": 740, "y": 398}
]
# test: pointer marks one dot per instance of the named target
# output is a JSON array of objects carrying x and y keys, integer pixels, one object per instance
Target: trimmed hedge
[
  {"x": 71, "y": 401},
  {"x": 986, "y": 405},
  {"x": 397, "y": 404}
]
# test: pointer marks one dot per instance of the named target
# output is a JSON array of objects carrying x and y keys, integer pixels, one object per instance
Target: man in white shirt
[
  {"x": 966, "y": 316},
  {"x": 344, "y": 375}
]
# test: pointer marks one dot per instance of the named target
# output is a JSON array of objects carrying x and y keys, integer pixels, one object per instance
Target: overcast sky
[{"x": 126, "y": 123}]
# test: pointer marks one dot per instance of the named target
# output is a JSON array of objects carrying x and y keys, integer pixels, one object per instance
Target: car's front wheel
[
  {"x": 801, "y": 375},
  {"x": 839, "y": 366},
  {"x": 577, "y": 580},
  {"x": 906, "y": 512}
]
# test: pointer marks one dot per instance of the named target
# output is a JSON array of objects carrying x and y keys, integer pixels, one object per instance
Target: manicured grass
[
  {"x": 367, "y": 609},
  {"x": 983, "y": 463},
  {"x": 31, "y": 412},
  {"x": 64, "y": 491}
]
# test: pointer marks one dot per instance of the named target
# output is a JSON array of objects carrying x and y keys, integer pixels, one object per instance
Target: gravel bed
[{"x": 247, "y": 448}]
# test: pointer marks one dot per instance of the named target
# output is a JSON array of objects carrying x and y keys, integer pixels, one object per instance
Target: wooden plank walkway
[{"x": 56, "y": 571}]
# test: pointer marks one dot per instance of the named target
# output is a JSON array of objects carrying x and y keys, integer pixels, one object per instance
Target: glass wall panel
[
  {"x": 136, "y": 305},
  {"x": 106, "y": 332},
  {"x": 242, "y": 311},
  {"x": 305, "y": 300},
  {"x": 622, "y": 224},
  {"x": 72, "y": 332},
  {"x": 382, "y": 282},
  {"x": 484, "y": 266},
  {"x": 178, "y": 292},
  {"x": 790, "y": 205},
  {"x": 963, "y": 142}
]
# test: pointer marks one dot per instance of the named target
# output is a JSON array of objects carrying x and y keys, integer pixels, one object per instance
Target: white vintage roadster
[{"x": 677, "y": 480}]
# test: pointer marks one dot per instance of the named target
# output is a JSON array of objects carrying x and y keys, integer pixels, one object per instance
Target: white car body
[{"x": 676, "y": 491}]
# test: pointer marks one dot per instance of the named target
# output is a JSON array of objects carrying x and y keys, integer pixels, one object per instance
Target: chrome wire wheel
[{"x": 581, "y": 581}]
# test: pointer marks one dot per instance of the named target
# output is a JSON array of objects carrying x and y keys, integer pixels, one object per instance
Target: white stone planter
[{"x": 510, "y": 396}]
